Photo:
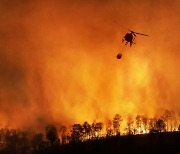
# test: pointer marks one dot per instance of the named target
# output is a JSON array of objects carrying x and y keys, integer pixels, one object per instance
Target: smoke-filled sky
[{"x": 58, "y": 60}]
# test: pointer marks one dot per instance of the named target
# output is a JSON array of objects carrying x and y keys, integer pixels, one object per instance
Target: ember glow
[{"x": 58, "y": 60}]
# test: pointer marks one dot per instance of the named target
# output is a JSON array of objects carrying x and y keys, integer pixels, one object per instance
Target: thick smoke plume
[{"x": 58, "y": 60}]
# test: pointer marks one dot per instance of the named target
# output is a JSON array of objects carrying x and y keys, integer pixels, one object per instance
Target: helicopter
[{"x": 130, "y": 37}]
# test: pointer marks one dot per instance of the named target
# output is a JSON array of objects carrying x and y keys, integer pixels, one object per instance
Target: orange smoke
[{"x": 58, "y": 61}]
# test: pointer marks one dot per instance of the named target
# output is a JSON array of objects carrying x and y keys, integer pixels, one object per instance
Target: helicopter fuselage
[{"x": 128, "y": 37}]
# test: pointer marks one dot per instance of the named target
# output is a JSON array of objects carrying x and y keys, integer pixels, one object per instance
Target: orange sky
[{"x": 58, "y": 60}]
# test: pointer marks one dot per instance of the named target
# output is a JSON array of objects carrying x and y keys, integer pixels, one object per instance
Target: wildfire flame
[{"x": 58, "y": 61}]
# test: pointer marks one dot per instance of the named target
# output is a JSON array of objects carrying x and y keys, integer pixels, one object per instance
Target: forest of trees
[{"x": 15, "y": 141}]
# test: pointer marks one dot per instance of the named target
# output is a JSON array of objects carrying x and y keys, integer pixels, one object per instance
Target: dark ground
[{"x": 162, "y": 143}]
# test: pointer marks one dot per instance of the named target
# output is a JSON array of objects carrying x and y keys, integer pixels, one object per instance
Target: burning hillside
[{"x": 58, "y": 61}]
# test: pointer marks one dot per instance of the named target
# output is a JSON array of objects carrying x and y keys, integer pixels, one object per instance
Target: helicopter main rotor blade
[
  {"x": 120, "y": 24},
  {"x": 138, "y": 33},
  {"x": 142, "y": 34},
  {"x": 129, "y": 29}
]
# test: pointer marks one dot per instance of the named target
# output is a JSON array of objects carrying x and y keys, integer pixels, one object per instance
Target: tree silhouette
[
  {"x": 160, "y": 125},
  {"x": 87, "y": 129},
  {"x": 152, "y": 123},
  {"x": 99, "y": 126},
  {"x": 11, "y": 141},
  {"x": 130, "y": 124},
  {"x": 36, "y": 141},
  {"x": 116, "y": 123},
  {"x": 51, "y": 135},
  {"x": 166, "y": 117},
  {"x": 109, "y": 130},
  {"x": 179, "y": 127},
  {"x": 76, "y": 133},
  {"x": 63, "y": 134},
  {"x": 145, "y": 123},
  {"x": 172, "y": 118},
  {"x": 93, "y": 127},
  {"x": 96, "y": 128},
  {"x": 139, "y": 123}
]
